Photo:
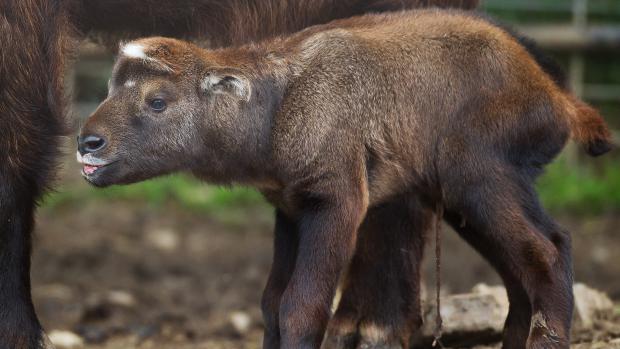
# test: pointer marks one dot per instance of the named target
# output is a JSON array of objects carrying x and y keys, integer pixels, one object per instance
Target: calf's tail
[
  {"x": 586, "y": 124},
  {"x": 588, "y": 128}
]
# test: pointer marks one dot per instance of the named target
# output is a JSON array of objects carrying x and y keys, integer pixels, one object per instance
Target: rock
[
  {"x": 590, "y": 305},
  {"x": 66, "y": 339},
  {"x": 612, "y": 344},
  {"x": 240, "y": 321},
  {"x": 468, "y": 319},
  {"x": 477, "y": 318},
  {"x": 498, "y": 292}
]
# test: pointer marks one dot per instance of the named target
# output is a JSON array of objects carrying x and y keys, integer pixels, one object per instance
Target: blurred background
[{"x": 176, "y": 261}]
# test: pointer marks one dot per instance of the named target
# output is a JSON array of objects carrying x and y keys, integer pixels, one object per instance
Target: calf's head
[{"x": 168, "y": 101}]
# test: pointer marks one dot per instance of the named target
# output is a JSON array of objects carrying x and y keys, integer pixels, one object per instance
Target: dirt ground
[{"x": 123, "y": 275}]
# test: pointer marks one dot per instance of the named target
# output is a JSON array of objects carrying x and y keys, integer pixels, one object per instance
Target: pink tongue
[{"x": 89, "y": 169}]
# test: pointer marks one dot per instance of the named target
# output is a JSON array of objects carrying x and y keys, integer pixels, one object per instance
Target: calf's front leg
[
  {"x": 380, "y": 305},
  {"x": 327, "y": 234},
  {"x": 284, "y": 256}
]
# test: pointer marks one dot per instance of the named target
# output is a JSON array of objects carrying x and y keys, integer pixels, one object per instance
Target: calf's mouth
[{"x": 91, "y": 165}]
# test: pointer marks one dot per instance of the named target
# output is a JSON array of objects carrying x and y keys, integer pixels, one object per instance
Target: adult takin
[
  {"x": 39, "y": 40},
  {"x": 338, "y": 124}
]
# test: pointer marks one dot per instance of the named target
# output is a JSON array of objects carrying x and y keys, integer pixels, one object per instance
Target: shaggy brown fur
[
  {"x": 224, "y": 23},
  {"x": 33, "y": 37},
  {"x": 345, "y": 126},
  {"x": 39, "y": 38}
]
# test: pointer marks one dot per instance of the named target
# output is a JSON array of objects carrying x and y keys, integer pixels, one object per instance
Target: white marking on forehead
[
  {"x": 130, "y": 83},
  {"x": 134, "y": 51}
]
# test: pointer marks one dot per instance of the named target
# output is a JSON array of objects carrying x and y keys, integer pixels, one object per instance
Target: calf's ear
[{"x": 226, "y": 81}]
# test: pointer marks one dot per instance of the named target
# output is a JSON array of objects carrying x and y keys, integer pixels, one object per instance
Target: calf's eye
[{"x": 158, "y": 104}]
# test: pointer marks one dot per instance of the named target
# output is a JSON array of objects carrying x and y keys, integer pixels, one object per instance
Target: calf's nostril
[{"x": 91, "y": 144}]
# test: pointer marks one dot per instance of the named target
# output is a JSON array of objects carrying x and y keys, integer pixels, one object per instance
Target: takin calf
[{"x": 340, "y": 123}]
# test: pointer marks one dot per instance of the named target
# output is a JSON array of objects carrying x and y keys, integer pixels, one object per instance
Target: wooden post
[{"x": 577, "y": 66}]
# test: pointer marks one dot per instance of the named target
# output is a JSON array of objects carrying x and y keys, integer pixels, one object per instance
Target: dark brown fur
[
  {"x": 341, "y": 124},
  {"x": 224, "y": 23},
  {"x": 39, "y": 38},
  {"x": 33, "y": 36}
]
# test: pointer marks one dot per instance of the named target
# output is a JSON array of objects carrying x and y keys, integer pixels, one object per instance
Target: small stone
[
  {"x": 92, "y": 334},
  {"x": 240, "y": 321},
  {"x": 164, "y": 239},
  {"x": 145, "y": 331},
  {"x": 66, "y": 339},
  {"x": 121, "y": 298},
  {"x": 56, "y": 291}
]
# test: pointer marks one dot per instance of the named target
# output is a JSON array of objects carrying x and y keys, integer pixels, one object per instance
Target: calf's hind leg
[
  {"x": 380, "y": 304},
  {"x": 503, "y": 219},
  {"x": 517, "y": 325}
]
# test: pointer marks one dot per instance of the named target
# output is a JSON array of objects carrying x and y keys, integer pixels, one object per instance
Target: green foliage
[
  {"x": 565, "y": 188},
  {"x": 227, "y": 205},
  {"x": 551, "y": 11},
  {"x": 581, "y": 189}
]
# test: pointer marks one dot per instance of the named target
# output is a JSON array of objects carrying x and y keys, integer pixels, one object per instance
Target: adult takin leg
[
  {"x": 19, "y": 327},
  {"x": 33, "y": 36}
]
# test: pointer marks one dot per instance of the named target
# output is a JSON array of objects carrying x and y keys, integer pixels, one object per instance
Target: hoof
[
  {"x": 347, "y": 336},
  {"x": 364, "y": 344},
  {"x": 543, "y": 336},
  {"x": 347, "y": 341},
  {"x": 341, "y": 334},
  {"x": 355, "y": 341},
  {"x": 546, "y": 340},
  {"x": 378, "y": 337}
]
